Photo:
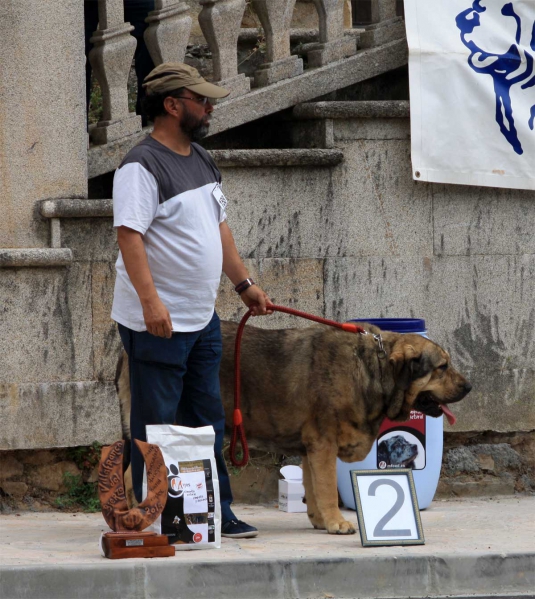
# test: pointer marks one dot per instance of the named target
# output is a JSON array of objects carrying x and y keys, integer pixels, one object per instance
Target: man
[{"x": 169, "y": 211}]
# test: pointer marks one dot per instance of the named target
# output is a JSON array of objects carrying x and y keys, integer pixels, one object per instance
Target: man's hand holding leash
[{"x": 256, "y": 300}]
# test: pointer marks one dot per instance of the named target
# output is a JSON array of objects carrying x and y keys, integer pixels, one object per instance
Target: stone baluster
[
  {"x": 333, "y": 45},
  {"x": 168, "y": 32},
  {"x": 276, "y": 17},
  {"x": 220, "y": 22},
  {"x": 386, "y": 26},
  {"x": 383, "y": 10},
  {"x": 111, "y": 59}
]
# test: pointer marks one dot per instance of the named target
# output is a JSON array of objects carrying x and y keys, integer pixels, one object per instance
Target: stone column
[
  {"x": 111, "y": 59},
  {"x": 333, "y": 45},
  {"x": 43, "y": 138},
  {"x": 386, "y": 26},
  {"x": 220, "y": 21},
  {"x": 168, "y": 32},
  {"x": 383, "y": 10},
  {"x": 276, "y": 18}
]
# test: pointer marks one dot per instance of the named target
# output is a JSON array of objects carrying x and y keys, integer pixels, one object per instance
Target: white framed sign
[{"x": 387, "y": 507}]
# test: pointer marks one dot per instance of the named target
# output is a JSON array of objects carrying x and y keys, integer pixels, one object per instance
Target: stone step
[
  {"x": 81, "y": 208},
  {"x": 323, "y": 124}
]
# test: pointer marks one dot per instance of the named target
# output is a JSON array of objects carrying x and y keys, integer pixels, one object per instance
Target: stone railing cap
[
  {"x": 391, "y": 109},
  {"x": 34, "y": 257}
]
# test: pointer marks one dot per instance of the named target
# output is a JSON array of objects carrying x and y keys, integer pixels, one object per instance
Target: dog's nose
[{"x": 467, "y": 387}]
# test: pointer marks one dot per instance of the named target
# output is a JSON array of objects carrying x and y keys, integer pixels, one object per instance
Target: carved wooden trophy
[{"x": 128, "y": 540}]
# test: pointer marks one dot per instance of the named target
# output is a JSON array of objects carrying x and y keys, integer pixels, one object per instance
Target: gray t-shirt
[{"x": 175, "y": 202}]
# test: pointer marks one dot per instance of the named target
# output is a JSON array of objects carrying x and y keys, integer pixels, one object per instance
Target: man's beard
[{"x": 193, "y": 127}]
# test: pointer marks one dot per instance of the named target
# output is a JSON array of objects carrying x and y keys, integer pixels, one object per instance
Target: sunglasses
[{"x": 202, "y": 100}]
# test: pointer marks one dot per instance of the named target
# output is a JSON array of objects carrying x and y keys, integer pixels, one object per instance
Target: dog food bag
[{"x": 192, "y": 514}]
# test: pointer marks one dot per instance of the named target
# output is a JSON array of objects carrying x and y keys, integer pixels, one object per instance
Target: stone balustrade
[
  {"x": 271, "y": 99},
  {"x": 111, "y": 58},
  {"x": 167, "y": 36}
]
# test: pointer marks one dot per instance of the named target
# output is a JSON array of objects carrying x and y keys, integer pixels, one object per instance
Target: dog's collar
[{"x": 381, "y": 352}]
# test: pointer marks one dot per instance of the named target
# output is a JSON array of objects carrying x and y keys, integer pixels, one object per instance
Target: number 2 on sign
[{"x": 379, "y": 530}]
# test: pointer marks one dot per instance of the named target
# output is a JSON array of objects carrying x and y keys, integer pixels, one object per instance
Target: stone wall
[
  {"x": 352, "y": 240},
  {"x": 59, "y": 346},
  {"x": 487, "y": 463},
  {"x": 41, "y": 126},
  {"x": 40, "y": 480},
  {"x": 474, "y": 465}
]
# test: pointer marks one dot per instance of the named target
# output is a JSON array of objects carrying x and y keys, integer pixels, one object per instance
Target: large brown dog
[{"x": 323, "y": 393}]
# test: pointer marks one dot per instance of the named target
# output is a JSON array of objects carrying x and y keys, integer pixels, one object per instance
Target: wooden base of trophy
[{"x": 120, "y": 545}]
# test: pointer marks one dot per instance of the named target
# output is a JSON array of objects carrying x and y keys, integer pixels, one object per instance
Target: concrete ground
[{"x": 484, "y": 548}]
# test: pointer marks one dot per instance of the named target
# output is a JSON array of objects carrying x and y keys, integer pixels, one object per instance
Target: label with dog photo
[{"x": 402, "y": 445}]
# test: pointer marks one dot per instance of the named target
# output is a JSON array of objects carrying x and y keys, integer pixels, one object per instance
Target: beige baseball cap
[{"x": 172, "y": 75}]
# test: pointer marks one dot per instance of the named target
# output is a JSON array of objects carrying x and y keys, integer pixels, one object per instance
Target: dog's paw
[
  {"x": 317, "y": 521},
  {"x": 343, "y": 527}
]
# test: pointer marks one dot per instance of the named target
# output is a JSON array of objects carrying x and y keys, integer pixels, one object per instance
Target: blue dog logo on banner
[{"x": 492, "y": 30}]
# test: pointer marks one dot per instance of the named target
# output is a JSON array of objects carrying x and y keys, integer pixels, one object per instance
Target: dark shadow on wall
[
  {"x": 393, "y": 85},
  {"x": 361, "y": 11}
]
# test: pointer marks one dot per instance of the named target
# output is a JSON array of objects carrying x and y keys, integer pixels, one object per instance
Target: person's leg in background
[
  {"x": 90, "y": 26},
  {"x": 157, "y": 367},
  {"x": 201, "y": 406},
  {"x": 136, "y": 12}
]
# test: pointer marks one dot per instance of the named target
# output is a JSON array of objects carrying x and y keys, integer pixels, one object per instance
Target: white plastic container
[
  {"x": 422, "y": 435},
  {"x": 291, "y": 490}
]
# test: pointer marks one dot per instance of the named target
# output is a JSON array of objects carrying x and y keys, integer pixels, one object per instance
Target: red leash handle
[{"x": 238, "y": 432}]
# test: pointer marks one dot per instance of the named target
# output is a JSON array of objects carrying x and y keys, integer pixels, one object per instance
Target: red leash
[{"x": 238, "y": 432}]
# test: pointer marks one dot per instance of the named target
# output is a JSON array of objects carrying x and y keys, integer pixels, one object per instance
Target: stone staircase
[
  {"x": 264, "y": 101},
  {"x": 61, "y": 385},
  {"x": 220, "y": 21}
]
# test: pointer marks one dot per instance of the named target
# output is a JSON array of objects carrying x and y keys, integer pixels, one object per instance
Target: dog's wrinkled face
[{"x": 424, "y": 371}]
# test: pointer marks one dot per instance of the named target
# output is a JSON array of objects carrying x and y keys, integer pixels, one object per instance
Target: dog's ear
[
  {"x": 410, "y": 364},
  {"x": 401, "y": 360},
  {"x": 421, "y": 365}
]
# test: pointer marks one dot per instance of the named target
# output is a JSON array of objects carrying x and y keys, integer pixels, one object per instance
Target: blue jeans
[{"x": 177, "y": 381}]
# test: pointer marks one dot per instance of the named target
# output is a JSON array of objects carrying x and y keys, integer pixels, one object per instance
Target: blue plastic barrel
[{"x": 426, "y": 443}]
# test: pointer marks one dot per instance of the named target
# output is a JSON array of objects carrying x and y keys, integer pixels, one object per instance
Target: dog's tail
[{"x": 122, "y": 385}]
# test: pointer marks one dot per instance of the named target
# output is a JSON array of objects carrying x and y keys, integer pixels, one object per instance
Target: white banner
[{"x": 472, "y": 91}]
